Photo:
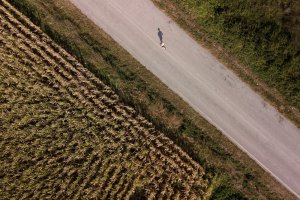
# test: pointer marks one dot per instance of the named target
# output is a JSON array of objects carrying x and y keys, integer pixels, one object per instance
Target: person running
[
  {"x": 163, "y": 45},
  {"x": 160, "y": 35}
]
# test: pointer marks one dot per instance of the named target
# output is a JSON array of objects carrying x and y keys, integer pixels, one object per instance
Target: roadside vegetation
[
  {"x": 261, "y": 37},
  {"x": 233, "y": 175}
]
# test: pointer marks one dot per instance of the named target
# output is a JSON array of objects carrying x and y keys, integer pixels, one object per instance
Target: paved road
[{"x": 214, "y": 91}]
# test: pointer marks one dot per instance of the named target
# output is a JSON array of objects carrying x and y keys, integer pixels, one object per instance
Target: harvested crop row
[{"x": 64, "y": 134}]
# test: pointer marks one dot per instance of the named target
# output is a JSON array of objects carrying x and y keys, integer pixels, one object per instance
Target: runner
[{"x": 163, "y": 45}]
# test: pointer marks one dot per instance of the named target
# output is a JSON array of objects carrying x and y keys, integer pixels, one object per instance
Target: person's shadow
[{"x": 160, "y": 35}]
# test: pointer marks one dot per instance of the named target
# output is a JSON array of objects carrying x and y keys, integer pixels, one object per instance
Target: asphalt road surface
[{"x": 202, "y": 81}]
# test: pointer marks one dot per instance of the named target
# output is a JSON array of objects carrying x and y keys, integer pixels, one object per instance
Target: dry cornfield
[{"x": 65, "y": 134}]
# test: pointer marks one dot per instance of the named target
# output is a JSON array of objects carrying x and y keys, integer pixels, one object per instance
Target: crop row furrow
[
  {"x": 30, "y": 50},
  {"x": 111, "y": 183},
  {"x": 129, "y": 188},
  {"x": 159, "y": 146},
  {"x": 52, "y": 75},
  {"x": 47, "y": 55},
  {"x": 169, "y": 193},
  {"x": 127, "y": 160},
  {"x": 154, "y": 185},
  {"x": 168, "y": 162},
  {"x": 10, "y": 9},
  {"x": 32, "y": 31},
  {"x": 105, "y": 173},
  {"x": 12, "y": 66},
  {"x": 178, "y": 155},
  {"x": 55, "y": 48},
  {"x": 119, "y": 184},
  {"x": 163, "y": 188},
  {"x": 28, "y": 54},
  {"x": 85, "y": 172},
  {"x": 21, "y": 38},
  {"x": 96, "y": 164},
  {"x": 166, "y": 166},
  {"x": 155, "y": 176}
]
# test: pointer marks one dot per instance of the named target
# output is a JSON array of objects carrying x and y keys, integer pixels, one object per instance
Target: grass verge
[
  {"x": 238, "y": 175},
  {"x": 259, "y": 41}
]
